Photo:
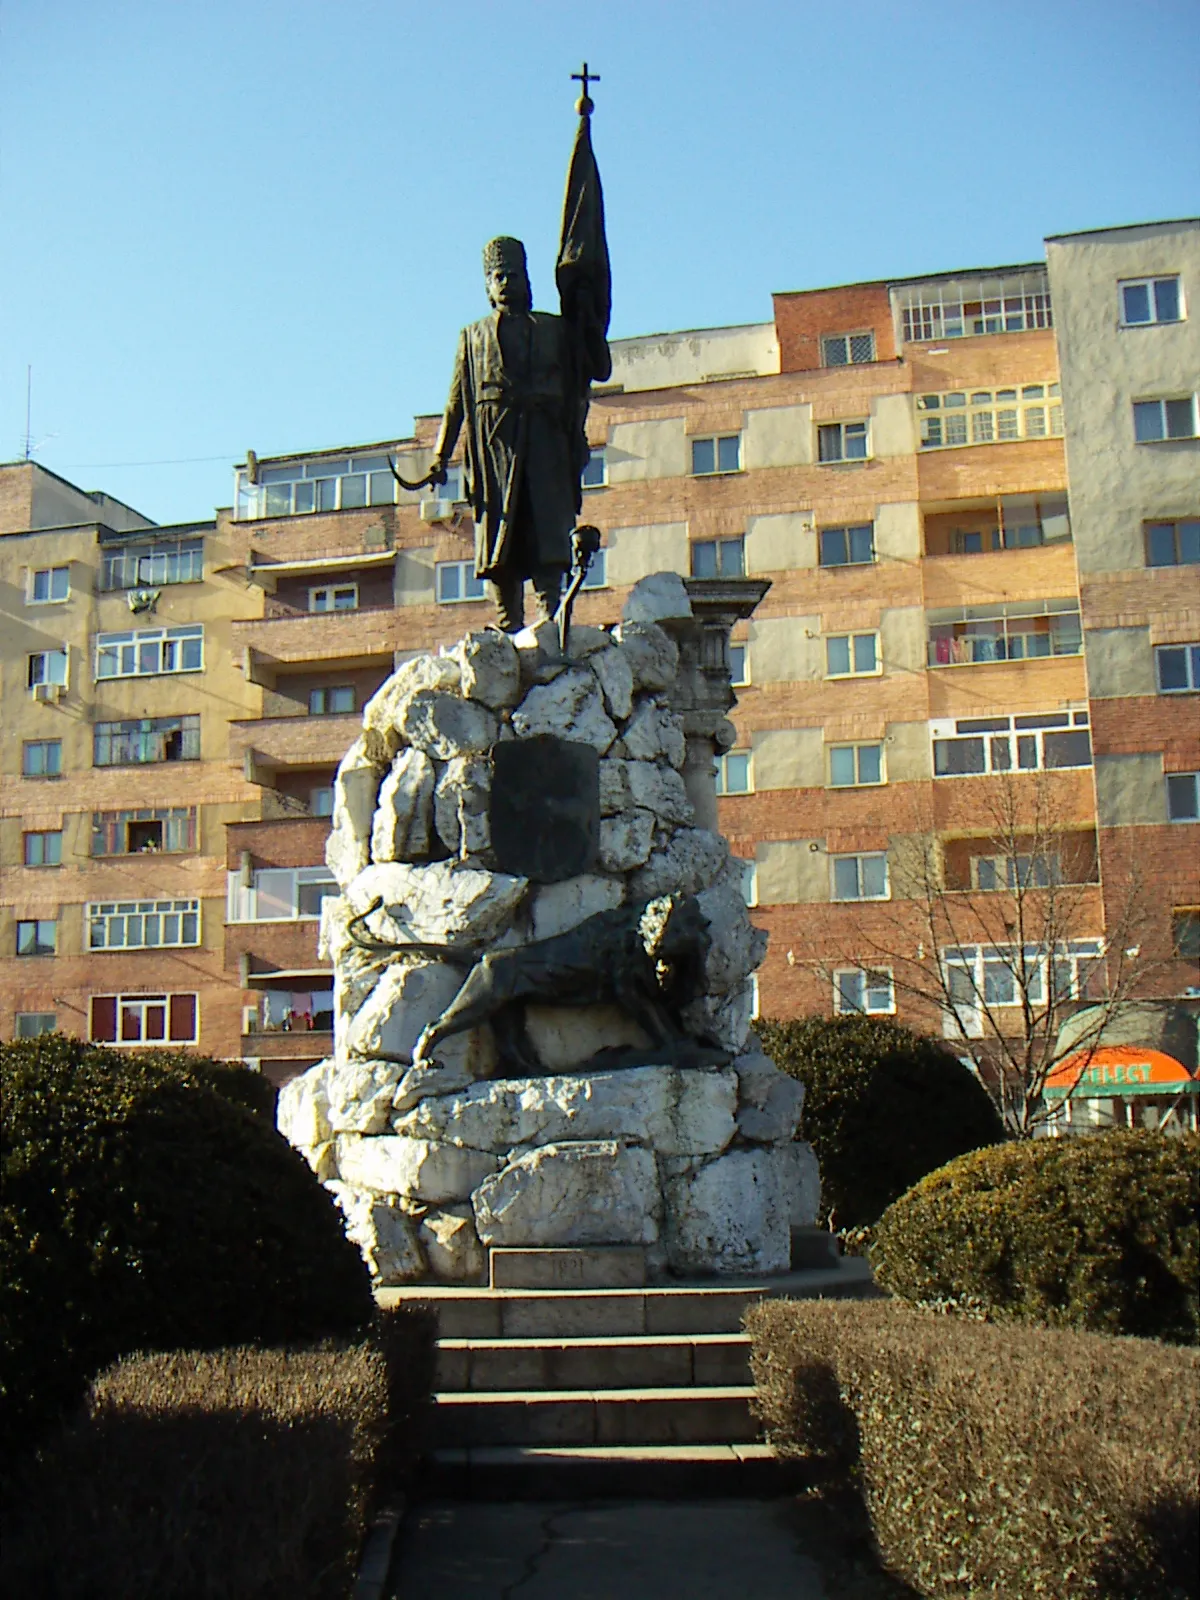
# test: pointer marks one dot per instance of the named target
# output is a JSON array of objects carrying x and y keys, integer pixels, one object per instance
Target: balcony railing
[{"x": 1003, "y": 633}]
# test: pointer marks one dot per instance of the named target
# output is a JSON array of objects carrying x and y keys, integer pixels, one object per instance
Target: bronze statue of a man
[{"x": 519, "y": 395}]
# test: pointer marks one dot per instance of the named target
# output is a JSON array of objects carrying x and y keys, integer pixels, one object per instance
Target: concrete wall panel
[
  {"x": 657, "y": 449},
  {"x": 778, "y": 436},
  {"x": 1130, "y": 790},
  {"x": 789, "y": 758},
  {"x": 898, "y": 531},
  {"x": 786, "y": 649},
  {"x": 792, "y": 871},
  {"x": 780, "y": 542},
  {"x": 1119, "y": 662},
  {"x": 655, "y": 547},
  {"x": 893, "y": 431}
]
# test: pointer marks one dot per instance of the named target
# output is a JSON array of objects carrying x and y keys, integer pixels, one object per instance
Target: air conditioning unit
[
  {"x": 48, "y": 693},
  {"x": 437, "y": 510}
]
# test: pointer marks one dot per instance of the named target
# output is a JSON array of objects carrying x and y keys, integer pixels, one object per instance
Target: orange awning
[{"x": 1119, "y": 1071}]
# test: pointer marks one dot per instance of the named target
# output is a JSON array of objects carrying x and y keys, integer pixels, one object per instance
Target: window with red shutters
[
  {"x": 104, "y": 1018},
  {"x": 183, "y": 1018}
]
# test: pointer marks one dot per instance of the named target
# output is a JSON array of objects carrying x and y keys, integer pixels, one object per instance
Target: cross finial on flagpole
[{"x": 584, "y": 104}]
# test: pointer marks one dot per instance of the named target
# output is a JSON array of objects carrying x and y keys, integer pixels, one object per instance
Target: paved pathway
[{"x": 603, "y": 1550}]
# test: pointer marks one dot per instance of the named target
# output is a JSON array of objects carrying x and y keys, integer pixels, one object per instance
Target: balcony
[
  {"x": 1011, "y": 522},
  {"x": 1016, "y": 631},
  {"x": 267, "y": 745},
  {"x": 275, "y": 645}
]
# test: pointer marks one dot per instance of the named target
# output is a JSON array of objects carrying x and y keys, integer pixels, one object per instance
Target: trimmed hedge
[
  {"x": 882, "y": 1107},
  {"x": 994, "y": 1460},
  {"x": 1098, "y": 1232},
  {"x": 144, "y": 1210}
]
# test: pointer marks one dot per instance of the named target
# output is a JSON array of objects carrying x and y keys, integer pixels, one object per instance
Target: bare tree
[{"x": 999, "y": 935}]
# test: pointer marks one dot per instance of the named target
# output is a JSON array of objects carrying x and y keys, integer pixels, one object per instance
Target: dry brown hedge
[
  {"x": 239, "y": 1474},
  {"x": 1000, "y": 1460}
]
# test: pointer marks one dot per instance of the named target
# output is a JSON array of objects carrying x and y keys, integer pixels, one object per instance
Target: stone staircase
[{"x": 608, "y": 1388}]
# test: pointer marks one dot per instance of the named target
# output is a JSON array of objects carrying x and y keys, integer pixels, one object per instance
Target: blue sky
[{"x": 258, "y": 224}]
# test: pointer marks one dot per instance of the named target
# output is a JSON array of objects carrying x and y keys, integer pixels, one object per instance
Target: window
[
  {"x": 142, "y": 924},
  {"x": 1017, "y": 871},
  {"x": 597, "y": 572},
  {"x": 331, "y": 702},
  {"x": 733, "y": 772},
  {"x": 279, "y": 894},
  {"x": 1011, "y": 975},
  {"x": 153, "y": 565},
  {"x": 1146, "y": 300},
  {"x": 456, "y": 581},
  {"x": 842, "y": 441},
  {"x": 852, "y": 655},
  {"x": 46, "y": 666},
  {"x": 298, "y": 487},
  {"x": 989, "y": 416},
  {"x": 851, "y": 765},
  {"x": 1183, "y": 796},
  {"x": 143, "y": 1019},
  {"x": 41, "y": 758},
  {"x": 850, "y": 546},
  {"x": 847, "y": 349},
  {"x": 749, "y": 870},
  {"x": 48, "y": 585},
  {"x": 1185, "y": 933},
  {"x": 150, "y": 651},
  {"x": 595, "y": 474},
  {"x": 1003, "y": 633},
  {"x": 1173, "y": 544},
  {"x": 1014, "y": 522},
  {"x": 320, "y": 801},
  {"x": 146, "y": 739},
  {"x": 37, "y": 938},
  {"x": 973, "y": 745},
  {"x": 965, "y": 309},
  {"x": 860, "y": 877},
  {"x": 284, "y": 1011},
  {"x": 739, "y": 665},
  {"x": 718, "y": 558},
  {"x": 43, "y": 849},
  {"x": 452, "y": 489},
  {"x": 30, "y": 1024},
  {"x": 861, "y": 991},
  {"x": 721, "y": 453},
  {"x": 121, "y": 833},
  {"x": 334, "y": 597},
  {"x": 1178, "y": 668},
  {"x": 1164, "y": 419}
]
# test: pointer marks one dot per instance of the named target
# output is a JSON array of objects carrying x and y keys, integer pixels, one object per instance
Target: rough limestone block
[
  {"x": 401, "y": 827},
  {"x": 571, "y": 707},
  {"x": 736, "y": 946},
  {"x": 769, "y": 1101},
  {"x": 658, "y": 595},
  {"x": 360, "y": 1095},
  {"x": 468, "y": 1055},
  {"x": 332, "y": 938},
  {"x": 558, "y": 907},
  {"x": 491, "y": 669},
  {"x": 801, "y": 1179},
  {"x": 615, "y": 792},
  {"x": 421, "y": 1080},
  {"x": 616, "y": 681},
  {"x": 583, "y": 641},
  {"x": 625, "y": 840},
  {"x": 322, "y": 1158},
  {"x": 729, "y": 1215},
  {"x": 564, "y": 1037},
  {"x": 384, "y": 1234},
  {"x": 677, "y": 1111},
  {"x": 418, "y": 1169},
  {"x": 348, "y": 847},
  {"x": 452, "y": 1246},
  {"x": 651, "y": 652},
  {"x": 382, "y": 710},
  {"x": 654, "y": 733},
  {"x": 443, "y": 902},
  {"x": 445, "y": 726},
  {"x": 407, "y": 998},
  {"x": 692, "y": 861},
  {"x": 723, "y": 1020},
  {"x": 661, "y": 790},
  {"x": 460, "y": 805},
  {"x": 302, "y": 1107},
  {"x": 597, "y": 1192}
]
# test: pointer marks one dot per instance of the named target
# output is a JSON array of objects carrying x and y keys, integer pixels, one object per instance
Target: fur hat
[{"x": 503, "y": 252}]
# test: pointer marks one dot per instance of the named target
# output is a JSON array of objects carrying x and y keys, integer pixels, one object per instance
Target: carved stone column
[{"x": 703, "y": 693}]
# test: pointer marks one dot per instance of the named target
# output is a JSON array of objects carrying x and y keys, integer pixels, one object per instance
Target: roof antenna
[{"x": 28, "y": 412}]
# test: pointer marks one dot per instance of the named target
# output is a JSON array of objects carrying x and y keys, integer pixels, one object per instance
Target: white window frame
[
  {"x": 966, "y": 308},
  {"x": 847, "y": 342},
  {"x": 989, "y": 416},
  {"x": 722, "y": 772},
  {"x": 864, "y": 1008},
  {"x": 322, "y": 598},
  {"x": 1073, "y": 960},
  {"x": 862, "y": 430},
  {"x": 48, "y": 667},
  {"x": 716, "y": 440},
  {"x": 1007, "y": 729},
  {"x": 125, "y": 651},
  {"x": 858, "y": 782},
  {"x": 128, "y": 924},
  {"x": 1191, "y": 668},
  {"x": 597, "y": 455},
  {"x": 597, "y": 573},
  {"x": 32, "y": 597},
  {"x": 140, "y": 1004},
  {"x": 871, "y": 672},
  {"x": 975, "y": 640},
  {"x": 749, "y": 869},
  {"x": 242, "y": 900},
  {"x": 1143, "y": 407},
  {"x": 1151, "y": 287},
  {"x": 1175, "y": 784},
  {"x": 305, "y": 488},
  {"x": 859, "y": 857},
  {"x": 1020, "y": 871},
  {"x": 466, "y": 578},
  {"x": 739, "y": 681},
  {"x": 155, "y": 564}
]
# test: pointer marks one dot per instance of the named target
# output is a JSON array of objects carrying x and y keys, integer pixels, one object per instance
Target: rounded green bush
[
  {"x": 143, "y": 1210},
  {"x": 1096, "y": 1232},
  {"x": 882, "y": 1107}
]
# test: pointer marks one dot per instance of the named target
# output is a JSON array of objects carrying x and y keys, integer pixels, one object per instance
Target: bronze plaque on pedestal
[{"x": 545, "y": 809}]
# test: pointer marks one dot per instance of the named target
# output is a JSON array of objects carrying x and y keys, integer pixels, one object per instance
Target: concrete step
[
  {"x": 599, "y": 1267},
  {"x": 716, "y": 1414},
  {"x": 593, "y": 1472},
  {"x": 712, "y": 1307},
  {"x": 629, "y": 1362}
]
